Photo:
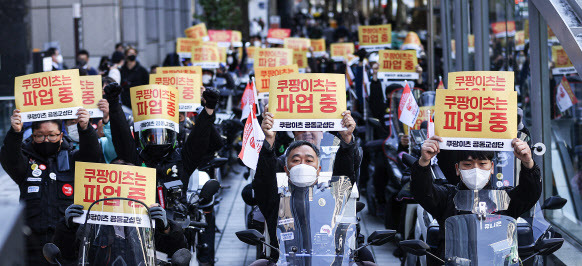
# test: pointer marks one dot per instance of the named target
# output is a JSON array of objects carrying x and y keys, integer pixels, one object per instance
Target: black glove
[
  {"x": 159, "y": 214},
  {"x": 361, "y": 54},
  {"x": 211, "y": 97},
  {"x": 112, "y": 91},
  {"x": 72, "y": 212}
]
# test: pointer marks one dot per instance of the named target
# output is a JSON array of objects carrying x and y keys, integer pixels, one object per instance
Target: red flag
[
  {"x": 248, "y": 97},
  {"x": 253, "y": 138},
  {"x": 408, "y": 109},
  {"x": 441, "y": 85}
]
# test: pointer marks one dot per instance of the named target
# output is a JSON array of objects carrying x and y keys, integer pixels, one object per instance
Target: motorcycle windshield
[
  {"x": 328, "y": 148},
  {"x": 311, "y": 229},
  {"x": 481, "y": 201},
  {"x": 117, "y": 238},
  {"x": 470, "y": 240}
]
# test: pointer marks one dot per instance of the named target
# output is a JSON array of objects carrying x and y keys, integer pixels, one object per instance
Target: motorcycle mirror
[
  {"x": 208, "y": 190},
  {"x": 414, "y": 247},
  {"x": 360, "y": 206},
  {"x": 380, "y": 237},
  {"x": 51, "y": 253},
  {"x": 250, "y": 236},
  {"x": 408, "y": 159},
  {"x": 549, "y": 246},
  {"x": 374, "y": 122},
  {"x": 181, "y": 257},
  {"x": 554, "y": 203}
]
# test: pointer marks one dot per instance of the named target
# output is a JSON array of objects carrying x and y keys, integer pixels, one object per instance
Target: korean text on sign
[
  {"x": 340, "y": 51},
  {"x": 297, "y": 44},
  {"x": 396, "y": 64},
  {"x": 197, "y": 31},
  {"x": 48, "y": 95},
  {"x": 318, "y": 47},
  {"x": 96, "y": 181},
  {"x": 308, "y": 102},
  {"x": 481, "y": 80},
  {"x": 184, "y": 46},
  {"x": 277, "y": 36},
  {"x": 154, "y": 106},
  {"x": 562, "y": 64},
  {"x": 300, "y": 59},
  {"x": 188, "y": 86},
  {"x": 264, "y": 75},
  {"x": 196, "y": 70},
  {"x": 273, "y": 57},
  {"x": 92, "y": 92},
  {"x": 206, "y": 56},
  {"x": 374, "y": 38},
  {"x": 462, "y": 116}
]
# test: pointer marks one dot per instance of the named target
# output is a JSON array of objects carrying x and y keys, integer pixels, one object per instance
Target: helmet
[{"x": 157, "y": 142}]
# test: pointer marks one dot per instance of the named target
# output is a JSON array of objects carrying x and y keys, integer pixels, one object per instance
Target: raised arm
[
  {"x": 120, "y": 131},
  {"x": 13, "y": 160},
  {"x": 89, "y": 148}
]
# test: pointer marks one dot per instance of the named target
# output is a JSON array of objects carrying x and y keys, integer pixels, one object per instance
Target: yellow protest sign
[
  {"x": 476, "y": 120},
  {"x": 272, "y": 57},
  {"x": 188, "y": 88},
  {"x": 95, "y": 181},
  {"x": 340, "y": 51},
  {"x": 297, "y": 44},
  {"x": 318, "y": 47},
  {"x": 424, "y": 113},
  {"x": 277, "y": 36},
  {"x": 396, "y": 64},
  {"x": 222, "y": 53},
  {"x": 300, "y": 59},
  {"x": 481, "y": 80},
  {"x": 264, "y": 74},
  {"x": 154, "y": 106},
  {"x": 196, "y": 70},
  {"x": 471, "y": 43},
  {"x": 374, "y": 38},
  {"x": 251, "y": 53},
  {"x": 184, "y": 46},
  {"x": 197, "y": 31},
  {"x": 92, "y": 92},
  {"x": 236, "y": 38},
  {"x": 206, "y": 56},
  {"x": 307, "y": 102},
  {"x": 519, "y": 40},
  {"x": 562, "y": 64},
  {"x": 221, "y": 37},
  {"x": 48, "y": 95}
]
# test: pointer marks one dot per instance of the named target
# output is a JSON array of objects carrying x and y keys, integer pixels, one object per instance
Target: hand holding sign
[
  {"x": 522, "y": 152},
  {"x": 83, "y": 118},
  {"x": 349, "y": 123},
  {"x": 16, "y": 121},
  {"x": 430, "y": 148},
  {"x": 266, "y": 125}
]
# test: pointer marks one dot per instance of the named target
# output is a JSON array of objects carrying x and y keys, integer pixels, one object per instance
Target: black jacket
[
  {"x": 438, "y": 199},
  {"x": 46, "y": 193},
  {"x": 68, "y": 239},
  {"x": 265, "y": 183},
  {"x": 136, "y": 76},
  {"x": 201, "y": 144}
]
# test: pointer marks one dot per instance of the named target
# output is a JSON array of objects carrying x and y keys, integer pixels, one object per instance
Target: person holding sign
[
  {"x": 43, "y": 166},
  {"x": 475, "y": 168},
  {"x": 158, "y": 148}
]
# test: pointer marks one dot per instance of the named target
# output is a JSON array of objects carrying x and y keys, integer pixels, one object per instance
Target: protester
[
  {"x": 132, "y": 74},
  {"x": 117, "y": 61},
  {"x": 83, "y": 63},
  {"x": 43, "y": 166},
  {"x": 57, "y": 59},
  {"x": 475, "y": 169}
]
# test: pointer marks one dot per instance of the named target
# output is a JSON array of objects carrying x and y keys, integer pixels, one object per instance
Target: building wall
[{"x": 149, "y": 25}]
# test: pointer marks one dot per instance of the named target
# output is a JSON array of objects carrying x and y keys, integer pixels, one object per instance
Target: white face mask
[
  {"x": 229, "y": 60},
  {"x": 302, "y": 175},
  {"x": 59, "y": 59},
  {"x": 206, "y": 79},
  {"x": 475, "y": 179},
  {"x": 73, "y": 132}
]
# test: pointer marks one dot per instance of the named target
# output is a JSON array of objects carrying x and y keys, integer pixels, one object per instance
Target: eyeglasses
[{"x": 42, "y": 138}]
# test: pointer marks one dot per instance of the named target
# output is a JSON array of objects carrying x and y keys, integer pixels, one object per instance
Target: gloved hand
[
  {"x": 361, "y": 54},
  {"x": 159, "y": 214},
  {"x": 72, "y": 212},
  {"x": 112, "y": 91},
  {"x": 211, "y": 97}
]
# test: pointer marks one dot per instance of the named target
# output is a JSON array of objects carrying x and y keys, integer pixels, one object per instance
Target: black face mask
[
  {"x": 46, "y": 149},
  {"x": 131, "y": 57}
]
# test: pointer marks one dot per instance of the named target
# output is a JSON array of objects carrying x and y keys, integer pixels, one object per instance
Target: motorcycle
[
  {"x": 122, "y": 237},
  {"x": 317, "y": 225},
  {"x": 481, "y": 237}
]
